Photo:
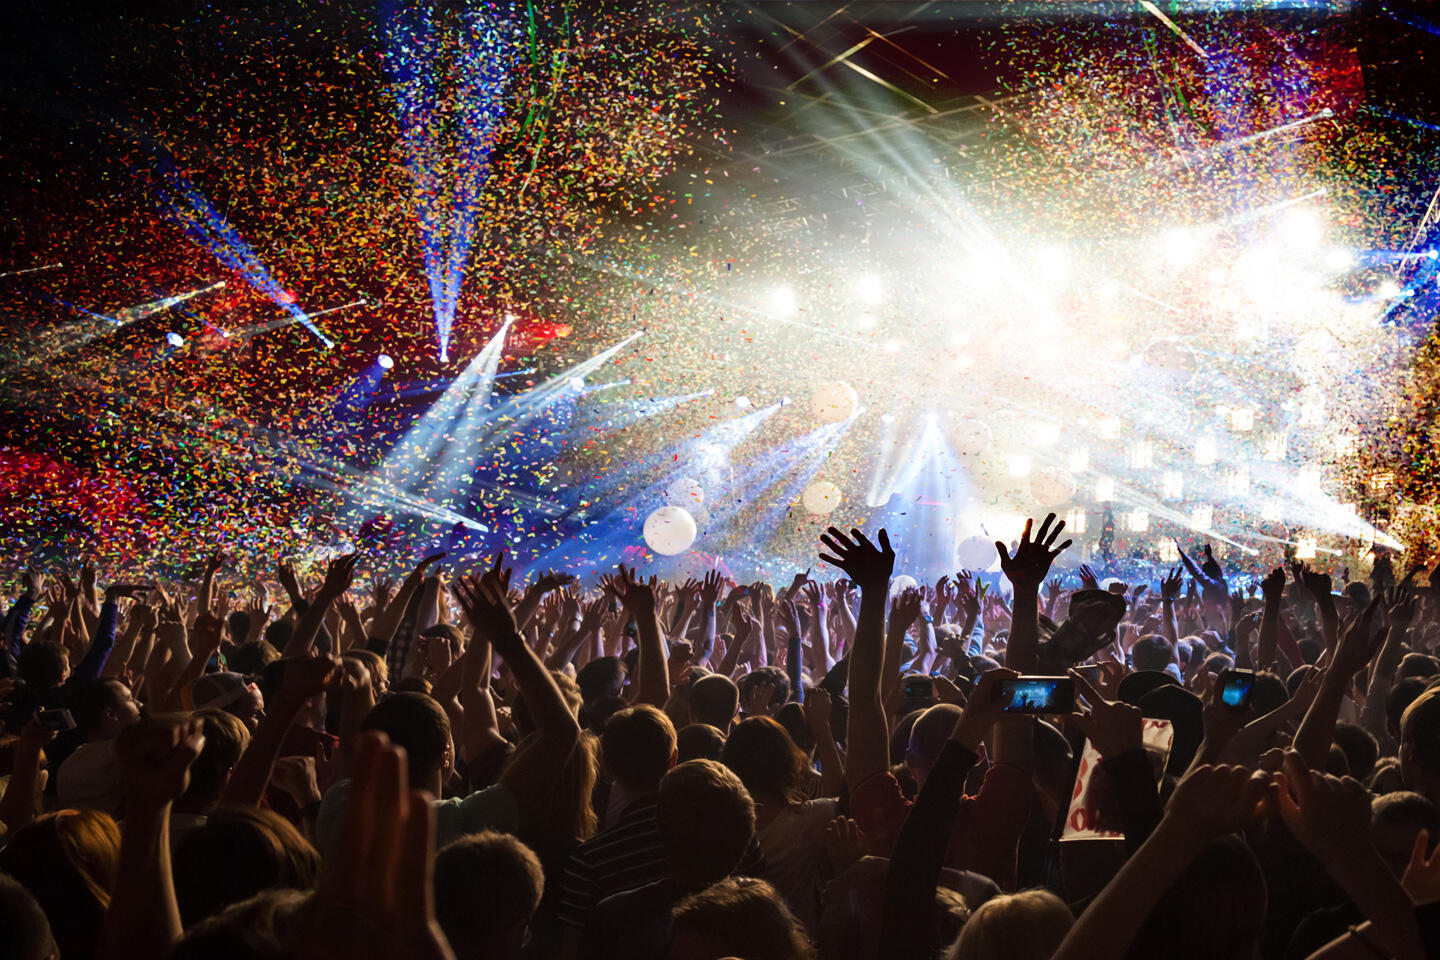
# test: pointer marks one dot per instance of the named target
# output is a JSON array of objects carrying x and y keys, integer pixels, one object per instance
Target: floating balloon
[
  {"x": 1173, "y": 358},
  {"x": 684, "y": 492},
  {"x": 970, "y": 437},
  {"x": 976, "y": 553},
  {"x": 1052, "y": 488},
  {"x": 901, "y": 583},
  {"x": 834, "y": 402},
  {"x": 821, "y": 497},
  {"x": 669, "y": 530}
]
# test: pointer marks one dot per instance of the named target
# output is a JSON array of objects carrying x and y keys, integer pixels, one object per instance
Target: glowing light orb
[
  {"x": 783, "y": 302},
  {"x": 670, "y": 530},
  {"x": 834, "y": 402},
  {"x": 821, "y": 497},
  {"x": 385, "y": 362},
  {"x": 174, "y": 339}
]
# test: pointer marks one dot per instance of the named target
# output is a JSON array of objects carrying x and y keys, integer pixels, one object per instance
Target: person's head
[
  {"x": 68, "y": 861},
  {"x": 23, "y": 927},
  {"x": 771, "y": 675},
  {"x": 565, "y": 813},
  {"x": 419, "y": 724},
  {"x": 253, "y": 929},
  {"x": 494, "y": 870},
  {"x": 375, "y": 664},
  {"x": 1028, "y": 925},
  {"x": 278, "y": 634},
  {"x": 239, "y": 852},
  {"x": 706, "y": 819},
  {"x": 1360, "y": 747},
  {"x": 714, "y": 699},
  {"x": 232, "y": 693},
  {"x": 737, "y": 917},
  {"x": 1396, "y": 819},
  {"x": 1151, "y": 653},
  {"x": 1267, "y": 693},
  {"x": 699, "y": 741},
  {"x": 43, "y": 664},
  {"x": 226, "y": 738},
  {"x": 250, "y": 659},
  {"x": 1224, "y": 881},
  {"x": 1420, "y": 744},
  {"x": 638, "y": 746},
  {"x": 102, "y": 708},
  {"x": 927, "y": 738},
  {"x": 767, "y": 761},
  {"x": 1421, "y": 665},
  {"x": 1401, "y": 695},
  {"x": 601, "y": 677},
  {"x": 438, "y": 646}
]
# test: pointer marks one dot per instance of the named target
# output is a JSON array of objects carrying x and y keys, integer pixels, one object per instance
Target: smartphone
[
  {"x": 919, "y": 693},
  {"x": 1040, "y": 695},
  {"x": 1235, "y": 688},
  {"x": 56, "y": 719},
  {"x": 1090, "y": 671}
]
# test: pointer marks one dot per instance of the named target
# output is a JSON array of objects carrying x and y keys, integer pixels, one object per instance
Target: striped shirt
[{"x": 626, "y": 856}]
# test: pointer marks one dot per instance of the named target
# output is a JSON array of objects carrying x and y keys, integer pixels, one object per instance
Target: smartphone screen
[
  {"x": 1040, "y": 695},
  {"x": 1235, "y": 688}
]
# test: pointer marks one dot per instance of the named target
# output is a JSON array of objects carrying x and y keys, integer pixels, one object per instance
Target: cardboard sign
[{"x": 1094, "y": 814}]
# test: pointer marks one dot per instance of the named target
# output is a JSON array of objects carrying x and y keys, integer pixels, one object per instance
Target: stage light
[
  {"x": 174, "y": 339},
  {"x": 1305, "y": 548},
  {"x": 782, "y": 302},
  {"x": 1172, "y": 485},
  {"x": 866, "y": 321},
  {"x": 1169, "y": 553},
  {"x": 1205, "y": 451},
  {"x": 1179, "y": 246},
  {"x": 1138, "y": 521},
  {"x": 1339, "y": 259},
  {"x": 1080, "y": 461},
  {"x": 1301, "y": 227},
  {"x": 577, "y": 383},
  {"x": 1346, "y": 445},
  {"x": 1054, "y": 263},
  {"x": 1242, "y": 419},
  {"x": 1202, "y": 517},
  {"x": 893, "y": 345},
  {"x": 1237, "y": 484},
  {"x": 1019, "y": 466},
  {"x": 1273, "y": 449},
  {"x": 1312, "y": 412},
  {"x": 964, "y": 361},
  {"x": 1381, "y": 482},
  {"x": 1075, "y": 521},
  {"x": 1309, "y": 478},
  {"x": 1141, "y": 455},
  {"x": 1047, "y": 434},
  {"x": 1104, "y": 490},
  {"x": 1387, "y": 290},
  {"x": 1270, "y": 512},
  {"x": 385, "y": 362},
  {"x": 742, "y": 402},
  {"x": 1109, "y": 428},
  {"x": 869, "y": 289},
  {"x": 887, "y": 418}
]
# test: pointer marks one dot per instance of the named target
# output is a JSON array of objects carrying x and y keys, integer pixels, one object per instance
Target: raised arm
[
  {"x": 1312, "y": 740},
  {"x": 337, "y": 580},
  {"x": 1399, "y": 614},
  {"x": 867, "y": 738},
  {"x": 653, "y": 684},
  {"x": 305, "y": 677}
]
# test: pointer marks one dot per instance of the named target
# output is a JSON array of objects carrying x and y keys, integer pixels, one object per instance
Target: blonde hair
[{"x": 1022, "y": 926}]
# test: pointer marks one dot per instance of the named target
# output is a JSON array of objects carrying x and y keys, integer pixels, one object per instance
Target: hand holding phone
[
  {"x": 1236, "y": 686},
  {"x": 1039, "y": 696}
]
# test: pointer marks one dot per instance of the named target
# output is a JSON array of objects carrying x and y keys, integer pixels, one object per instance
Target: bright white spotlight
[
  {"x": 1075, "y": 521},
  {"x": 893, "y": 345},
  {"x": 1019, "y": 466},
  {"x": 174, "y": 339},
  {"x": 1305, "y": 548},
  {"x": 1141, "y": 456},
  {"x": 1339, "y": 259},
  {"x": 1387, "y": 290},
  {"x": 887, "y": 418},
  {"x": 1273, "y": 449},
  {"x": 1179, "y": 246},
  {"x": 742, "y": 402},
  {"x": 1172, "y": 485},
  {"x": 1242, "y": 419},
  {"x": 964, "y": 361},
  {"x": 1202, "y": 517},
  {"x": 1080, "y": 461},
  {"x": 1237, "y": 484},
  {"x": 385, "y": 362},
  {"x": 869, "y": 289},
  {"x": 1110, "y": 428},
  {"x": 783, "y": 302},
  {"x": 577, "y": 384},
  {"x": 1047, "y": 434},
  {"x": 866, "y": 321},
  {"x": 1139, "y": 521},
  {"x": 1053, "y": 263},
  {"x": 1271, "y": 512},
  {"x": 1169, "y": 553},
  {"x": 1301, "y": 228},
  {"x": 1205, "y": 451},
  {"x": 1104, "y": 490}
]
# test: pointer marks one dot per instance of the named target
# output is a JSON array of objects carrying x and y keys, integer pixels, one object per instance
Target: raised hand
[
  {"x": 983, "y": 708},
  {"x": 553, "y": 580},
  {"x": 488, "y": 609},
  {"x": 1273, "y": 586},
  {"x": 1358, "y": 645},
  {"x": 1170, "y": 586},
  {"x": 134, "y": 591},
  {"x": 817, "y": 712},
  {"x": 1032, "y": 559},
  {"x": 757, "y": 702},
  {"x": 965, "y": 595},
  {"x": 1422, "y": 873},
  {"x": 1088, "y": 580},
  {"x": 1114, "y": 727},
  {"x": 1317, "y": 584},
  {"x": 498, "y": 575},
  {"x": 863, "y": 562},
  {"x": 710, "y": 588},
  {"x": 1215, "y": 800},
  {"x": 637, "y": 596},
  {"x": 34, "y": 583},
  {"x": 1401, "y": 608},
  {"x": 155, "y": 757},
  {"x": 1328, "y": 814},
  {"x": 905, "y": 608}
]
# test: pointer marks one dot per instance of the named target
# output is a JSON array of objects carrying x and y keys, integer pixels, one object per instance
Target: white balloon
[
  {"x": 834, "y": 402},
  {"x": 685, "y": 492},
  {"x": 669, "y": 530},
  {"x": 901, "y": 583},
  {"x": 970, "y": 437},
  {"x": 1052, "y": 488},
  {"x": 821, "y": 497},
  {"x": 976, "y": 553}
]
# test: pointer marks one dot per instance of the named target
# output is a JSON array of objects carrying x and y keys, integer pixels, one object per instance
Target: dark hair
[
  {"x": 714, "y": 700},
  {"x": 1401, "y": 696},
  {"x": 251, "y": 657},
  {"x": 767, "y": 761},
  {"x": 601, "y": 677},
  {"x": 1187, "y": 718},
  {"x": 253, "y": 929},
  {"x": 412, "y": 685},
  {"x": 792, "y": 718},
  {"x": 1405, "y": 806},
  {"x": 68, "y": 861},
  {"x": 1417, "y": 665},
  {"x": 239, "y": 852},
  {"x": 1310, "y": 650},
  {"x": 42, "y": 664},
  {"x": 743, "y": 917},
  {"x": 706, "y": 821},
  {"x": 278, "y": 634},
  {"x": 1360, "y": 747},
  {"x": 1297, "y": 677},
  {"x": 226, "y": 738},
  {"x": 23, "y": 927},
  {"x": 486, "y": 885},
  {"x": 1224, "y": 881},
  {"x": 417, "y": 723},
  {"x": 1267, "y": 693},
  {"x": 637, "y": 746},
  {"x": 771, "y": 675},
  {"x": 699, "y": 741},
  {"x": 1420, "y": 730},
  {"x": 91, "y": 701},
  {"x": 1151, "y": 652}
]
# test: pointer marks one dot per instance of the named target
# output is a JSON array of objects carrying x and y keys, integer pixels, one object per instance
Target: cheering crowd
[{"x": 334, "y": 765}]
